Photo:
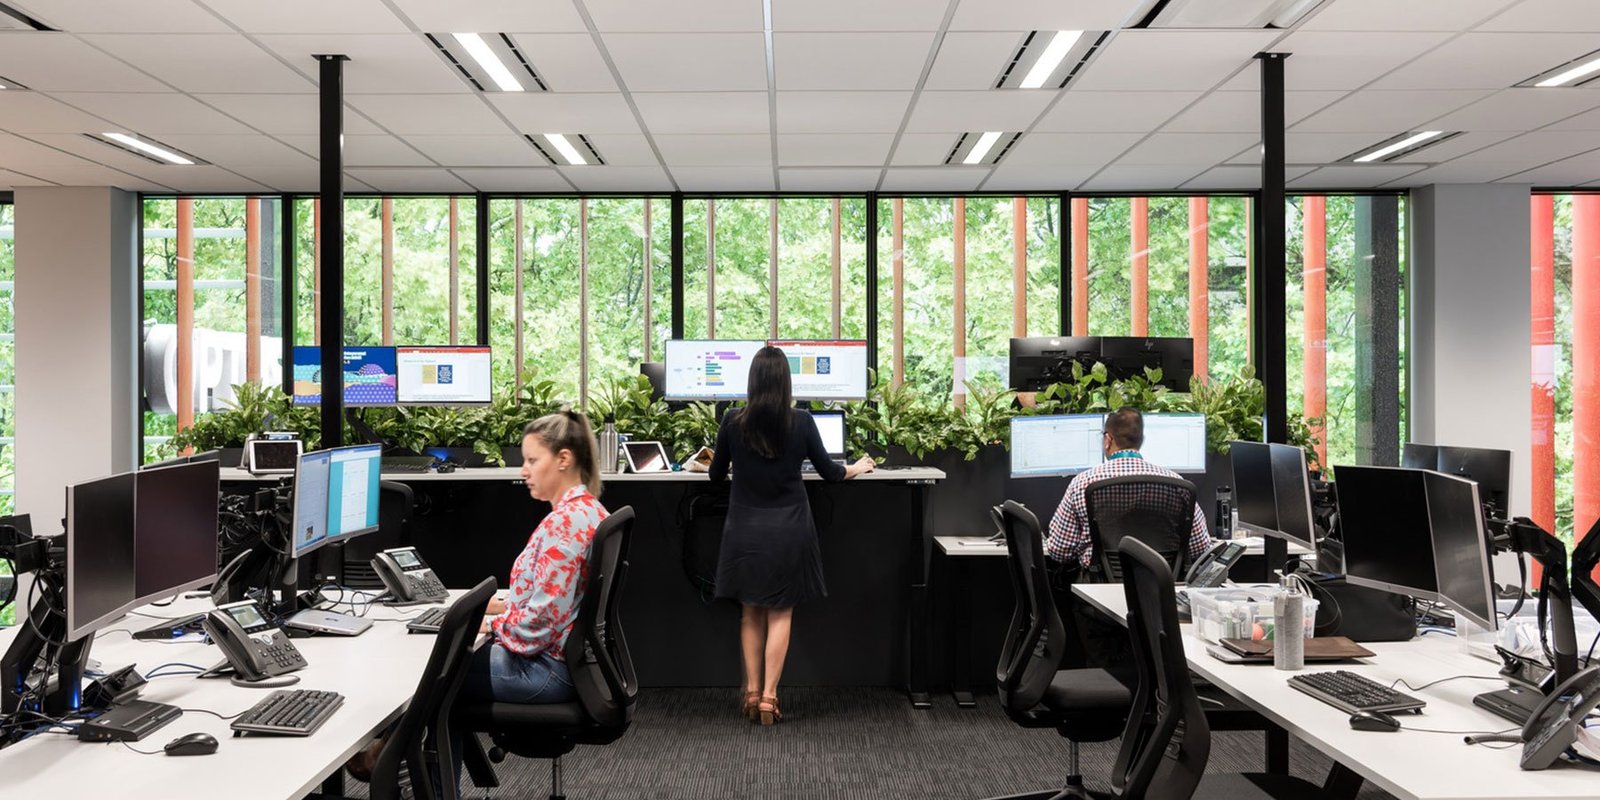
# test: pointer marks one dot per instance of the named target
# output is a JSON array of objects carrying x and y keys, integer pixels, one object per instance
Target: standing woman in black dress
[{"x": 769, "y": 560}]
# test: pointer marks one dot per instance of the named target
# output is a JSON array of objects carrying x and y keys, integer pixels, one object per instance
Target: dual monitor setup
[
  {"x": 1038, "y": 361},
  {"x": 1052, "y": 445},
  {"x": 715, "y": 371},
  {"x": 387, "y": 376}
]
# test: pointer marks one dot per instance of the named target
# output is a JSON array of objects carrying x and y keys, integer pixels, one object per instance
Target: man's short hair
[{"x": 1126, "y": 426}]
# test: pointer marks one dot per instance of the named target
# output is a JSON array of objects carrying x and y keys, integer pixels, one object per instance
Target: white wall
[
  {"x": 1471, "y": 323},
  {"x": 76, "y": 364}
]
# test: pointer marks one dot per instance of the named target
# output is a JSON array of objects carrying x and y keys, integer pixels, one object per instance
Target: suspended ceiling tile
[
  {"x": 1547, "y": 15},
  {"x": 482, "y": 16},
  {"x": 32, "y": 112},
  {"x": 100, "y": 152},
  {"x": 841, "y": 112},
  {"x": 1113, "y": 112},
  {"x": 10, "y": 180},
  {"x": 86, "y": 174},
  {"x": 399, "y": 63},
  {"x": 828, "y": 180},
  {"x": 501, "y": 150},
  {"x": 933, "y": 179},
  {"x": 204, "y": 62},
  {"x": 1240, "y": 112},
  {"x": 956, "y": 112},
  {"x": 618, "y": 179},
  {"x": 972, "y": 60},
  {"x": 724, "y": 179},
  {"x": 401, "y": 179},
  {"x": 1044, "y": 149},
  {"x": 1202, "y": 149},
  {"x": 568, "y": 62},
  {"x": 234, "y": 152},
  {"x": 1519, "y": 110},
  {"x": 1538, "y": 147},
  {"x": 1343, "y": 60},
  {"x": 33, "y": 153},
  {"x": 849, "y": 60},
  {"x": 923, "y": 149},
  {"x": 1016, "y": 176},
  {"x": 1413, "y": 15},
  {"x": 712, "y": 150},
  {"x": 153, "y": 114},
  {"x": 308, "y": 16},
  {"x": 1456, "y": 146},
  {"x": 1233, "y": 177},
  {"x": 679, "y": 16},
  {"x": 1587, "y": 121},
  {"x": 282, "y": 113},
  {"x": 1169, "y": 60},
  {"x": 833, "y": 149},
  {"x": 704, "y": 112},
  {"x": 514, "y": 180},
  {"x": 1488, "y": 61},
  {"x": 1464, "y": 172},
  {"x": 202, "y": 178},
  {"x": 1354, "y": 176},
  {"x": 1028, "y": 15},
  {"x": 624, "y": 149},
  {"x": 689, "y": 62},
  {"x": 143, "y": 16},
  {"x": 429, "y": 113},
  {"x": 1140, "y": 178},
  {"x": 853, "y": 15},
  {"x": 555, "y": 112},
  {"x": 1579, "y": 169},
  {"x": 366, "y": 151},
  {"x": 48, "y": 62},
  {"x": 1387, "y": 112}
]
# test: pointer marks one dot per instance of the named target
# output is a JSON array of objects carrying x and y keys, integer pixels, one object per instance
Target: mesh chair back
[
  {"x": 1167, "y": 742},
  {"x": 430, "y": 707},
  {"x": 1036, "y": 638},
  {"x": 1157, "y": 510},
  {"x": 596, "y": 649}
]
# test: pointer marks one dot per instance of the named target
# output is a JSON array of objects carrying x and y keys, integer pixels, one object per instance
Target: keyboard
[
  {"x": 1350, "y": 692},
  {"x": 427, "y": 622},
  {"x": 405, "y": 463},
  {"x": 289, "y": 712}
]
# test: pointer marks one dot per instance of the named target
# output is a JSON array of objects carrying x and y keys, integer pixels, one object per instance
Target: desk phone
[
  {"x": 407, "y": 577},
  {"x": 254, "y": 647},
  {"x": 1555, "y": 723}
]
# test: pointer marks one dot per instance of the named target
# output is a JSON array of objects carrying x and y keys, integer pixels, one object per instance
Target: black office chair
[
  {"x": 395, "y": 503},
  {"x": 426, "y": 721},
  {"x": 1168, "y": 742},
  {"x": 1155, "y": 509},
  {"x": 1083, "y": 705},
  {"x": 601, "y": 669}
]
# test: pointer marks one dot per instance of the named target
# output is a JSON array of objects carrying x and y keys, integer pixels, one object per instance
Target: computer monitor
[
  {"x": 1129, "y": 356},
  {"x": 175, "y": 529},
  {"x": 310, "y": 511},
  {"x": 709, "y": 370},
  {"x": 1460, "y": 553},
  {"x": 1419, "y": 456},
  {"x": 831, "y": 425},
  {"x": 368, "y": 376},
  {"x": 1253, "y": 495},
  {"x": 1055, "y": 445},
  {"x": 1038, "y": 361},
  {"x": 826, "y": 369},
  {"x": 1385, "y": 529},
  {"x": 353, "y": 477},
  {"x": 444, "y": 376},
  {"x": 1291, "y": 491},
  {"x": 656, "y": 373},
  {"x": 100, "y": 553},
  {"x": 1490, "y": 468},
  {"x": 1175, "y": 441}
]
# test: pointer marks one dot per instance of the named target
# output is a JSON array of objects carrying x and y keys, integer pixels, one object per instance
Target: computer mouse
[
  {"x": 192, "y": 744},
  {"x": 1373, "y": 721}
]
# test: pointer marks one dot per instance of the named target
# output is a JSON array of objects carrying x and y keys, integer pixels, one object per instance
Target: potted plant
[
  {"x": 908, "y": 426},
  {"x": 502, "y": 422},
  {"x": 254, "y": 408}
]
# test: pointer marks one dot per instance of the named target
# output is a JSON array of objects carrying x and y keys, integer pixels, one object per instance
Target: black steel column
[
  {"x": 872, "y": 280},
  {"x": 483, "y": 269},
  {"x": 288, "y": 300},
  {"x": 676, "y": 206},
  {"x": 331, "y": 223},
  {"x": 1064, "y": 225},
  {"x": 1267, "y": 330}
]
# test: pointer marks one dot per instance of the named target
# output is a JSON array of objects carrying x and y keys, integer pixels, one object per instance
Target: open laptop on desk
[{"x": 831, "y": 425}]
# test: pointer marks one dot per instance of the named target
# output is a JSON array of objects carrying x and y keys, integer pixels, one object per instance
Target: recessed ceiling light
[
  {"x": 1571, "y": 73},
  {"x": 565, "y": 148},
  {"x": 1051, "y": 58},
  {"x": 1404, "y": 143},
  {"x": 154, "y": 151},
  {"x": 480, "y": 52},
  {"x": 981, "y": 149}
]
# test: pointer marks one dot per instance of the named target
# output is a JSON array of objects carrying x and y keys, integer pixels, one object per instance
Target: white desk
[
  {"x": 514, "y": 475},
  {"x": 377, "y": 672},
  {"x": 1409, "y": 764},
  {"x": 982, "y": 546}
]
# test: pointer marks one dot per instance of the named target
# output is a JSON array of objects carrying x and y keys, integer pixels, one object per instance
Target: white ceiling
[{"x": 836, "y": 95}]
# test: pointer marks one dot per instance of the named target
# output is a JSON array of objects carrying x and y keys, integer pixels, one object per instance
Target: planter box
[{"x": 961, "y": 502}]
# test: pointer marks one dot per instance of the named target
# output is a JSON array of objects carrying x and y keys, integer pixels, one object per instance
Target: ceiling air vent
[{"x": 1235, "y": 14}]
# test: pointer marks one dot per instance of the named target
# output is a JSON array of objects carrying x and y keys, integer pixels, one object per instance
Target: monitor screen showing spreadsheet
[
  {"x": 1175, "y": 441},
  {"x": 450, "y": 376},
  {"x": 831, "y": 425},
  {"x": 709, "y": 370},
  {"x": 826, "y": 369},
  {"x": 353, "y": 477},
  {"x": 1063, "y": 444}
]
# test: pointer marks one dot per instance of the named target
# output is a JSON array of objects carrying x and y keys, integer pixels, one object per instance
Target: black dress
[{"x": 769, "y": 554}]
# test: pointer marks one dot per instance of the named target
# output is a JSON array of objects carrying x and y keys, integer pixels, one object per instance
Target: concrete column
[
  {"x": 1471, "y": 323},
  {"x": 1377, "y": 330},
  {"x": 77, "y": 343}
]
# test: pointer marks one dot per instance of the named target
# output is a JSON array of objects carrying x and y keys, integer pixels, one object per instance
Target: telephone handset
[
  {"x": 407, "y": 577},
  {"x": 254, "y": 647},
  {"x": 1554, "y": 725},
  {"x": 1211, "y": 570}
]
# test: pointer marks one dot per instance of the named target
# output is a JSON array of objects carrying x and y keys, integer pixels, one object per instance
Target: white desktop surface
[
  {"x": 514, "y": 474},
  {"x": 1408, "y": 764},
  {"x": 984, "y": 546},
  {"x": 377, "y": 672}
]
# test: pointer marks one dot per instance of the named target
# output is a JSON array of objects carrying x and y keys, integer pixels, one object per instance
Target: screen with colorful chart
[
  {"x": 709, "y": 370},
  {"x": 369, "y": 376}
]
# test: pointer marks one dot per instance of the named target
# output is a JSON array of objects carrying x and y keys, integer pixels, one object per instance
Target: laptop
[{"x": 831, "y": 425}]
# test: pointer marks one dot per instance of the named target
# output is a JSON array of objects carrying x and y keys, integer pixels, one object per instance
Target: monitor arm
[
  {"x": 1585, "y": 557},
  {"x": 1525, "y": 537}
]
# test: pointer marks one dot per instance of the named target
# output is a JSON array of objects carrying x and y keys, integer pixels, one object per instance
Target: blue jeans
[{"x": 496, "y": 674}]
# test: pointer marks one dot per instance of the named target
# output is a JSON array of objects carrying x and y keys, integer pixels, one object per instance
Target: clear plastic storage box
[{"x": 1239, "y": 613}]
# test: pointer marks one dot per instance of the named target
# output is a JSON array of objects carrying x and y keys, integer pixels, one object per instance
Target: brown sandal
[
  {"x": 768, "y": 711},
  {"x": 752, "y": 700}
]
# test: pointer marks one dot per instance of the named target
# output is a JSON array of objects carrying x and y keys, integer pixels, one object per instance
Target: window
[
  {"x": 8, "y": 424},
  {"x": 1566, "y": 303}
]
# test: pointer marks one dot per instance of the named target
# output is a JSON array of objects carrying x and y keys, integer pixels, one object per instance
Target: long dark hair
[{"x": 766, "y": 419}]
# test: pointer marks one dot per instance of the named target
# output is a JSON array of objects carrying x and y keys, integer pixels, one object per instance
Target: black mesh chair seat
[
  {"x": 1087, "y": 690},
  {"x": 492, "y": 717},
  {"x": 1157, "y": 510}
]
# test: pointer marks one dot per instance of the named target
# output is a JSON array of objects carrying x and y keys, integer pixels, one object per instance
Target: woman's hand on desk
[
  {"x": 496, "y": 607},
  {"x": 863, "y": 465}
]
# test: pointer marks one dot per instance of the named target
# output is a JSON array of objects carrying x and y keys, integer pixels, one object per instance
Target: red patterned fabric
[
  {"x": 548, "y": 577},
  {"x": 1069, "y": 538}
]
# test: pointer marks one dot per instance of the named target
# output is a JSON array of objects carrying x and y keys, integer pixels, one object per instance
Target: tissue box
[{"x": 1234, "y": 613}]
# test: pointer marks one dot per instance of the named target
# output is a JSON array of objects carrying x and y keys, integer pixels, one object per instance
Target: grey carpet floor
[{"x": 839, "y": 744}]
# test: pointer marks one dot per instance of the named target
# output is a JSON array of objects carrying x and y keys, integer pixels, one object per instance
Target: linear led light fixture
[
  {"x": 7, "y": 83},
  {"x": 490, "y": 62},
  {"x": 580, "y": 154},
  {"x": 981, "y": 149},
  {"x": 1576, "y": 72},
  {"x": 159, "y": 153},
  {"x": 1231, "y": 15},
  {"x": 1404, "y": 144},
  {"x": 1054, "y": 53},
  {"x": 480, "y": 52},
  {"x": 1048, "y": 59}
]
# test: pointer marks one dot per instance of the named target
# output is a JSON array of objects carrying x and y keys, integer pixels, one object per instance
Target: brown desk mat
[{"x": 1318, "y": 648}]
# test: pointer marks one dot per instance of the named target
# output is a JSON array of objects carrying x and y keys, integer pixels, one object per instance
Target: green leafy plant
[
  {"x": 254, "y": 408},
  {"x": 627, "y": 401},
  {"x": 695, "y": 427},
  {"x": 984, "y": 420},
  {"x": 1233, "y": 407},
  {"x": 1073, "y": 396},
  {"x": 900, "y": 416}
]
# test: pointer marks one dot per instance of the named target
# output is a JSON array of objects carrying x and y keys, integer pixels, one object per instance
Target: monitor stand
[{"x": 21, "y": 664}]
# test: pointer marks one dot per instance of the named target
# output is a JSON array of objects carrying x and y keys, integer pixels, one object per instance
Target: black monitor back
[
  {"x": 1490, "y": 468},
  {"x": 656, "y": 371},
  {"x": 1129, "y": 356},
  {"x": 1038, "y": 361},
  {"x": 1419, "y": 456}
]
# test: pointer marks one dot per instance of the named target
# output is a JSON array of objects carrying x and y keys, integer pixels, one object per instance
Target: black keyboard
[
  {"x": 405, "y": 463},
  {"x": 289, "y": 712},
  {"x": 427, "y": 622},
  {"x": 1350, "y": 692}
]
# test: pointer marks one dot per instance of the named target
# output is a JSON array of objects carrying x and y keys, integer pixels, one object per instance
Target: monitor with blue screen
[
  {"x": 353, "y": 476},
  {"x": 310, "y": 512},
  {"x": 369, "y": 376}
]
